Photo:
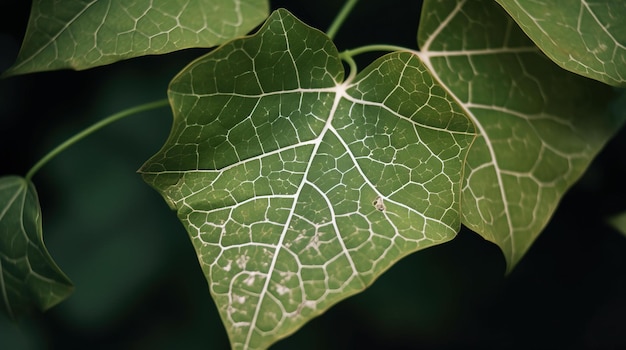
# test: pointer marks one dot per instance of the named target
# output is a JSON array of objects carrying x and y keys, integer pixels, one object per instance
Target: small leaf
[
  {"x": 619, "y": 223},
  {"x": 297, "y": 189},
  {"x": 82, "y": 34},
  {"x": 28, "y": 275},
  {"x": 539, "y": 126},
  {"x": 585, "y": 37}
]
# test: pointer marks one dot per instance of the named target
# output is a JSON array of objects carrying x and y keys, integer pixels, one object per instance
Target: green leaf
[
  {"x": 81, "y": 34},
  {"x": 539, "y": 126},
  {"x": 297, "y": 189},
  {"x": 28, "y": 275},
  {"x": 585, "y": 37},
  {"x": 619, "y": 223}
]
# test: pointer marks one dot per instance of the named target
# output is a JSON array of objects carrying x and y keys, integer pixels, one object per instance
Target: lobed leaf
[
  {"x": 299, "y": 189},
  {"x": 28, "y": 275},
  {"x": 587, "y": 37},
  {"x": 81, "y": 34},
  {"x": 538, "y": 126}
]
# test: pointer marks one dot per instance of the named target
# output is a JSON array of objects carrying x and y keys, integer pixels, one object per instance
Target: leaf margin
[{"x": 46, "y": 290}]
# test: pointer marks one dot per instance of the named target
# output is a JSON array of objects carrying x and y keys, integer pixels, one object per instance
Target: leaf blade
[
  {"x": 539, "y": 126},
  {"x": 293, "y": 186},
  {"x": 28, "y": 275},
  {"x": 85, "y": 34},
  {"x": 585, "y": 37}
]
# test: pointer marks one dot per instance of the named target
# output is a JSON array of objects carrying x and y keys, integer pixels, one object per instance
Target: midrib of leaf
[
  {"x": 279, "y": 246},
  {"x": 340, "y": 92},
  {"x": 425, "y": 48}
]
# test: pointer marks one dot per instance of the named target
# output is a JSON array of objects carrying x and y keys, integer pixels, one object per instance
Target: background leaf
[
  {"x": 28, "y": 275},
  {"x": 585, "y": 37},
  {"x": 298, "y": 190},
  {"x": 619, "y": 223},
  {"x": 539, "y": 126},
  {"x": 81, "y": 34}
]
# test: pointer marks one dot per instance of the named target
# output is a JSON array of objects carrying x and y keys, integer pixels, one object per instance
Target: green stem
[
  {"x": 347, "y": 55},
  {"x": 95, "y": 127},
  {"x": 341, "y": 17},
  {"x": 371, "y": 48}
]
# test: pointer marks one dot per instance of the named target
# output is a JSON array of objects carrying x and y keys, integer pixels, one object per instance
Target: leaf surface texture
[
  {"x": 28, "y": 275},
  {"x": 81, "y": 34},
  {"x": 299, "y": 189},
  {"x": 587, "y": 37},
  {"x": 539, "y": 126}
]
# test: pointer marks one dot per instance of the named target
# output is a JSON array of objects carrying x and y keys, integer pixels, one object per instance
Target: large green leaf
[
  {"x": 539, "y": 126},
  {"x": 28, "y": 275},
  {"x": 298, "y": 189},
  {"x": 81, "y": 34},
  {"x": 587, "y": 37}
]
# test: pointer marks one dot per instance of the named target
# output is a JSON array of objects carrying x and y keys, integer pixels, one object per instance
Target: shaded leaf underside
[
  {"x": 28, "y": 275},
  {"x": 539, "y": 127}
]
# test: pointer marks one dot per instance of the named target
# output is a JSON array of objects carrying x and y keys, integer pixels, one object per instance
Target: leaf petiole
[
  {"x": 373, "y": 48},
  {"x": 341, "y": 17},
  {"x": 347, "y": 55},
  {"x": 95, "y": 127}
]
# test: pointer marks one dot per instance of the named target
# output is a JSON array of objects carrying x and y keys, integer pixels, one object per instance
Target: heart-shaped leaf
[
  {"x": 298, "y": 189},
  {"x": 585, "y": 37},
  {"x": 28, "y": 275},
  {"x": 81, "y": 34},
  {"x": 539, "y": 126}
]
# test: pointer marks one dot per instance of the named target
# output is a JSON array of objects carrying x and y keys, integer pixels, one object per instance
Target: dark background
[{"x": 138, "y": 283}]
